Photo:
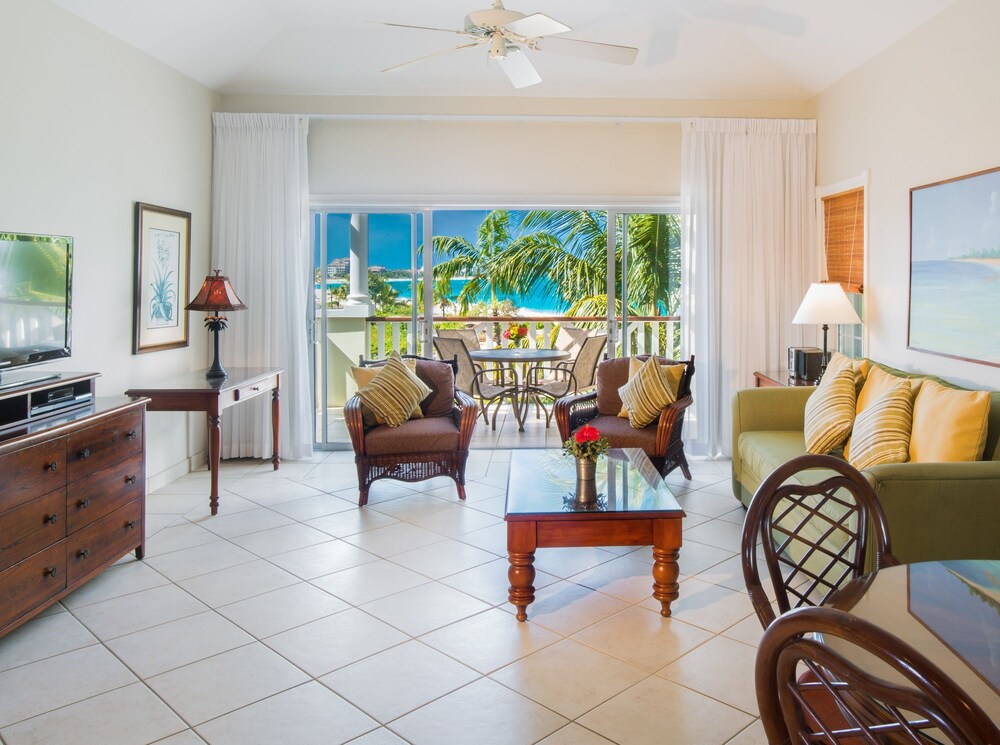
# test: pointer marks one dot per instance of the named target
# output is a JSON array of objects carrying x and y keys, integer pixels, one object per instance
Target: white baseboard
[{"x": 176, "y": 471}]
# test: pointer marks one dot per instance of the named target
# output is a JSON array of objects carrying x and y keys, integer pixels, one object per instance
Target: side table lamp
[
  {"x": 215, "y": 297},
  {"x": 825, "y": 303}
]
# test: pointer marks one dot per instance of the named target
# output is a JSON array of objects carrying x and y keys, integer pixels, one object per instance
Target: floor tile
[
  {"x": 489, "y": 582},
  {"x": 269, "y": 490},
  {"x": 322, "y": 558},
  {"x": 709, "y": 606},
  {"x": 209, "y": 688},
  {"x": 490, "y": 640},
  {"x": 568, "y": 677},
  {"x": 242, "y": 523},
  {"x": 308, "y": 714},
  {"x": 187, "y": 737},
  {"x": 139, "y": 610},
  {"x": 237, "y": 583},
  {"x": 444, "y": 558},
  {"x": 747, "y": 631},
  {"x": 704, "y": 502},
  {"x": 369, "y": 581},
  {"x": 330, "y": 643},
  {"x": 190, "y": 562},
  {"x": 282, "y": 609},
  {"x": 393, "y": 539},
  {"x": 752, "y": 735},
  {"x": 455, "y": 520},
  {"x": 46, "y": 636},
  {"x": 625, "y": 578},
  {"x": 281, "y": 539},
  {"x": 565, "y": 562},
  {"x": 574, "y": 734},
  {"x": 313, "y": 507},
  {"x": 399, "y": 680},
  {"x": 184, "y": 534},
  {"x": 380, "y": 736},
  {"x": 719, "y": 533},
  {"x": 121, "y": 579},
  {"x": 712, "y": 668},
  {"x": 351, "y": 522},
  {"x": 565, "y": 607},
  {"x": 696, "y": 557},
  {"x": 131, "y": 715},
  {"x": 425, "y": 608},
  {"x": 658, "y": 711},
  {"x": 481, "y": 712}
]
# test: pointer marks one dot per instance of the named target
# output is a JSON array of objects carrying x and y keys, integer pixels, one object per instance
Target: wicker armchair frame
[
  {"x": 572, "y": 412},
  {"x": 777, "y": 517},
  {"x": 411, "y": 467}
]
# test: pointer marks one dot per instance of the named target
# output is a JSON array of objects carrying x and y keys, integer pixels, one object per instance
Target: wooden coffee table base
[{"x": 525, "y": 534}]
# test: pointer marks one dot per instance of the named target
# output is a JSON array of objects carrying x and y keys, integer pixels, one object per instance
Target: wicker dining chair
[
  {"x": 814, "y": 536},
  {"x": 564, "y": 378},
  {"x": 436, "y": 444},
  {"x": 488, "y": 387},
  {"x": 812, "y": 689}
]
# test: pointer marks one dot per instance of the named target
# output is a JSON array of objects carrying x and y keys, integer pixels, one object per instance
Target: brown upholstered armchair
[
  {"x": 436, "y": 444},
  {"x": 661, "y": 440}
]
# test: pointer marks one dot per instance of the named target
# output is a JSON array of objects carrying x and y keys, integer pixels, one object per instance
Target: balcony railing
[{"x": 658, "y": 335}]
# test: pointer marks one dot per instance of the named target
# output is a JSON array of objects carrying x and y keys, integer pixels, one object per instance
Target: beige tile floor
[{"x": 295, "y": 617}]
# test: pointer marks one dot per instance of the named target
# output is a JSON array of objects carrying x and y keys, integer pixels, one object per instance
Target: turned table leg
[
  {"x": 521, "y": 544},
  {"x": 666, "y": 549}
]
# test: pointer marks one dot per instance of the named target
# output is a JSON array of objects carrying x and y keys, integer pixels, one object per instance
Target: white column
[{"x": 359, "y": 261}]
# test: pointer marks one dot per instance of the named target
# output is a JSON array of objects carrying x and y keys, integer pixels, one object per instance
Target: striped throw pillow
[
  {"x": 882, "y": 429},
  {"x": 646, "y": 394},
  {"x": 394, "y": 392},
  {"x": 365, "y": 375},
  {"x": 674, "y": 375},
  {"x": 829, "y": 413}
]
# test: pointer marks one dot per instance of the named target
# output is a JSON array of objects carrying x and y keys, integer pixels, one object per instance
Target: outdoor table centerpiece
[{"x": 586, "y": 445}]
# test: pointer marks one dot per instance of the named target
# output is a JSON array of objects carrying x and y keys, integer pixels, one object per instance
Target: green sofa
[{"x": 935, "y": 510}]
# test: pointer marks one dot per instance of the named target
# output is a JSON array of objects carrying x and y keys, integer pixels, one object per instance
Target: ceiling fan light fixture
[{"x": 498, "y": 47}]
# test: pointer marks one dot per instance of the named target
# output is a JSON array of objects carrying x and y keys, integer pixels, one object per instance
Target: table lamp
[
  {"x": 215, "y": 297},
  {"x": 825, "y": 303}
]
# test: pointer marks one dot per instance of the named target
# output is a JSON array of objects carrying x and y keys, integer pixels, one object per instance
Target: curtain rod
[{"x": 499, "y": 118}]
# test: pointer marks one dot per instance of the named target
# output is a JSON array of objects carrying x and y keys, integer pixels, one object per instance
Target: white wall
[
  {"x": 925, "y": 110},
  {"x": 91, "y": 126}
]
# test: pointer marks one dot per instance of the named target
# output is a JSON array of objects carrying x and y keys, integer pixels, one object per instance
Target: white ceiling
[{"x": 707, "y": 49}]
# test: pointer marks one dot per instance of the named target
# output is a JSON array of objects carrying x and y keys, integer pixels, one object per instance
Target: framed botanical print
[{"x": 162, "y": 258}]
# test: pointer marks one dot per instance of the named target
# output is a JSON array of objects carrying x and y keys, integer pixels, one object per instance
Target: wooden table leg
[
  {"x": 666, "y": 549},
  {"x": 275, "y": 422},
  {"x": 214, "y": 453},
  {"x": 521, "y": 544}
]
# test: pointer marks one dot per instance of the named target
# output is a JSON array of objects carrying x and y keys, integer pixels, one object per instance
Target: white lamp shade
[{"x": 825, "y": 303}]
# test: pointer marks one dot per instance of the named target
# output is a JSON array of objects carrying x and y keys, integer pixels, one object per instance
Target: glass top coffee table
[{"x": 635, "y": 508}]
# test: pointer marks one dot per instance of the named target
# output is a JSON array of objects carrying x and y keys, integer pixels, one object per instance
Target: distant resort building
[
  {"x": 377, "y": 268},
  {"x": 338, "y": 267}
]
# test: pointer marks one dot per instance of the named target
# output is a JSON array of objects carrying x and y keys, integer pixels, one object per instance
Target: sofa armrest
[
  {"x": 464, "y": 414},
  {"x": 573, "y": 411},
  {"x": 939, "y": 511}
]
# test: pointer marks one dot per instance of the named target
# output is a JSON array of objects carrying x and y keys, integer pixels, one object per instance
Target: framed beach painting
[
  {"x": 955, "y": 268},
  {"x": 162, "y": 256}
]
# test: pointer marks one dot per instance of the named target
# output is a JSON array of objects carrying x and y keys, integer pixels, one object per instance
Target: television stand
[
  {"x": 26, "y": 377},
  {"x": 38, "y": 400}
]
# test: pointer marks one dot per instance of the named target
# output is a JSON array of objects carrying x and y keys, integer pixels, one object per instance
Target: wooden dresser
[{"x": 72, "y": 502}]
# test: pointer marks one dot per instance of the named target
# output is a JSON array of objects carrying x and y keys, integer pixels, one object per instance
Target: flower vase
[{"x": 586, "y": 483}]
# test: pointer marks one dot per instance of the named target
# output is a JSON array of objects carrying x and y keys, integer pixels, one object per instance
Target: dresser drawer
[
  {"x": 103, "y": 541},
  {"x": 102, "y": 492},
  {"x": 32, "y": 526},
  {"x": 31, "y": 472},
  {"x": 32, "y": 581},
  {"x": 108, "y": 442},
  {"x": 255, "y": 389}
]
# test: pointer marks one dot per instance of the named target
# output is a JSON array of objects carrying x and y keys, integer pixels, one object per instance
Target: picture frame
[
  {"x": 955, "y": 268},
  {"x": 161, "y": 279}
]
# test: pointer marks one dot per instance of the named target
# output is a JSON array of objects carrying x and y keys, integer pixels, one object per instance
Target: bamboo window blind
[{"x": 844, "y": 238}]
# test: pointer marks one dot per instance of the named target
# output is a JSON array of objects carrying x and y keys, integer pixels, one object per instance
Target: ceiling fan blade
[
  {"x": 441, "y": 53},
  {"x": 518, "y": 68},
  {"x": 594, "y": 50},
  {"x": 424, "y": 28},
  {"x": 535, "y": 25}
]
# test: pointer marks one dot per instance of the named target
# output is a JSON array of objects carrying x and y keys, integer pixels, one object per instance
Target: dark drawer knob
[
  {"x": 85, "y": 453},
  {"x": 131, "y": 435},
  {"x": 52, "y": 571},
  {"x": 83, "y": 553},
  {"x": 130, "y": 524},
  {"x": 83, "y": 504},
  {"x": 130, "y": 479},
  {"x": 53, "y": 466},
  {"x": 52, "y": 519}
]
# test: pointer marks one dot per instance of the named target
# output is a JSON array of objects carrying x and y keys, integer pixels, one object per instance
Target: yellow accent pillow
[
  {"x": 394, "y": 392},
  {"x": 674, "y": 374},
  {"x": 647, "y": 393},
  {"x": 839, "y": 361},
  {"x": 949, "y": 425},
  {"x": 882, "y": 430},
  {"x": 878, "y": 383},
  {"x": 829, "y": 413},
  {"x": 364, "y": 375}
]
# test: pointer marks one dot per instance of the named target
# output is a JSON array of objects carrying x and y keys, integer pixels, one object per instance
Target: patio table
[{"x": 511, "y": 357}]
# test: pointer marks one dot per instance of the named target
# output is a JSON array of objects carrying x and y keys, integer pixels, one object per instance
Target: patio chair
[
  {"x": 487, "y": 387},
  {"x": 661, "y": 440},
  {"x": 565, "y": 378},
  {"x": 436, "y": 444},
  {"x": 469, "y": 336}
]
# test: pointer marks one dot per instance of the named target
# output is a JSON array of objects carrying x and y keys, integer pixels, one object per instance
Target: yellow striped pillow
[
  {"x": 674, "y": 374},
  {"x": 882, "y": 429},
  {"x": 364, "y": 375},
  {"x": 829, "y": 413},
  {"x": 646, "y": 394},
  {"x": 394, "y": 392}
]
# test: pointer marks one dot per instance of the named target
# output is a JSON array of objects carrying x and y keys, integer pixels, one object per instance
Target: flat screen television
[{"x": 36, "y": 280}]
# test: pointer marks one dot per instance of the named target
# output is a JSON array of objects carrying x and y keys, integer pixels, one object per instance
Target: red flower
[
  {"x": 586, "y": 433},
  {"x": 506, "y": 334},
  {"x": 522, "y": 330}
]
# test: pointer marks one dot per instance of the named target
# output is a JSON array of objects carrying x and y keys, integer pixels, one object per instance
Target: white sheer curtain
[
  {"x": 749, "y": 254},
  {"x": 260, "y": 210}
]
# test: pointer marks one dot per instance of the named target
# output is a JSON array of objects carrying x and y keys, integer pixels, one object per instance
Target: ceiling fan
[{"x": 508, "y": 33}]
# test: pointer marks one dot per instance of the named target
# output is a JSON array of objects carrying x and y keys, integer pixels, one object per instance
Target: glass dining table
[
  {"x": 519, "y": 359},
  {"x": 948, "y": 610}
]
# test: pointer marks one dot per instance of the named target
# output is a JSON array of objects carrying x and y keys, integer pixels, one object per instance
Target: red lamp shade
[{"x": 215, "y": 295}]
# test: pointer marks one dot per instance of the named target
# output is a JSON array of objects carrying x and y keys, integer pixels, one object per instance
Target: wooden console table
[
  {"x": 771, "y": 378},
  {"x": 194, "y": 392}
]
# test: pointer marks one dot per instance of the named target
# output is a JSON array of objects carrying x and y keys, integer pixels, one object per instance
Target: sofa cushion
[
  {"x": 623, "y": 435},
  {"x": 440, "y": 378},
  {"x": 948, "y": 425},
  {"x": 647, "y": 393},
  {"x": 413, "y": 436},
  {"x": 611, "y": 375},
  {"x": 882, "y": 430},
  {"x": 673, "y": 373},
  {"x": 394, "y": 392},
  {"x": 764, "y": 450},
  {"x": 877, "y": 383},
  {"x": 829, "y": 412}
]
